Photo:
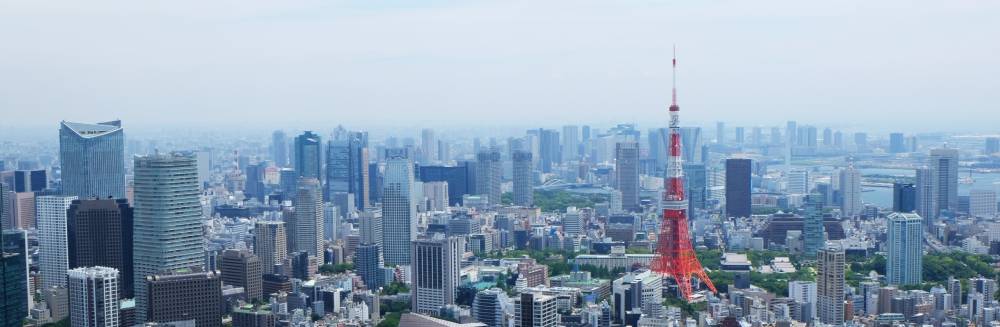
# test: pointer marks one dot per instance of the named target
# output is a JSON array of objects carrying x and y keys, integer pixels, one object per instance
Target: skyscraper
[
  {"x": 850, "y": 192},
  {"x": 6, "y": 208},
  {"x": 904, "y": 197},
  {"x": 738, "y": 188},
  {"x": 255, "y": 182},
  {"x": 14, "y": 296},
  {"x": 53, "y": 253},
  {"x": 523, "y": 180},
  {"x": 269, "y": 244},
  {"x": 798, "y": 182},
  {"x": 428, "y": 146},
  {"x": 347, "y": 168},
  {"x": 904, "y": 264},
  {"x": 279, "y": 148},
  {"x": 812, "y": 226},
  {"x": 489, "y": 174},
  {"x": 398, "y": 208},
  {"x": 570, "y": 143},
  {"x": 93, "y": 297},
  {"x": 944, "y": 166},
  {"x": 690, "y": 145},
  {"x": 437, "y": 262},
  {"x": 830, "y": 285},
  {"x": 185, "y": 295},
  {"x": 548, "y": 149},
  {"x": 167, "y": 229},
  {"x": 696, "y": 181},
  {"x": 309, "y": 155},
  {"x": 307, "y": 227},
  {"x": 241, "y": 268},
  {"x": 720, "y": 132},
  {"x": 627, "y": 174},
  {"x": 92, "y": 158},
  {"x": 897, "y": 144},
  {"x": 99, "y": 233},
  {"x": 926, "y": 195},
  {"x": 368, "y": 263}
]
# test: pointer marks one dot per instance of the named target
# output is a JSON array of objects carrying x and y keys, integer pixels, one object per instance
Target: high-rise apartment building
[
  {"x": 926, "y": 194},
  {"x": 167, "y": 220},
  {"x": 830, "y": 286},
  {"x": 368, "y": 263},
  {"x": 437, "y": 262},
  {"x": 850, "y": 192},
  {"x": 905, "y": 237},
  {"x": 523, "y": 179},
  {"x": 269, "y": 244},
  {"x": 93, "y": 297},
  {"x": 307, "y": 227},
  {"x": 53, "y": 250},
  {"x": 738, "y": 191},
  {"x": 627, "y": 174},
  {"x": 309, "y": 155},
  {"x": 399, "y": 209},
  {"x": 813, "y": 235},
  {"x": 92, "y": 158},
  {"x": 489, "y": 175},
  {"x": 99, "y": 233},
  {"x": 241, "y": 268}
]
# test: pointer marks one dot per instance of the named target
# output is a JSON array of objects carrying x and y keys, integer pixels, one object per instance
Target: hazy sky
[{"x": 908, "y": 65}]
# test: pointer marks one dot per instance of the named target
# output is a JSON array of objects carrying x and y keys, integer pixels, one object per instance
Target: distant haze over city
[{"x": 228, "y": 65}]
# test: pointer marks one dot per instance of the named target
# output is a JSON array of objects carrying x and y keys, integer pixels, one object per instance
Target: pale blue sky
[{"x": 909, "y": 65}]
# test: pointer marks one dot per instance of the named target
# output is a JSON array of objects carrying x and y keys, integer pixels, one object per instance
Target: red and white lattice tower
[{"x": 675, "y": 257}]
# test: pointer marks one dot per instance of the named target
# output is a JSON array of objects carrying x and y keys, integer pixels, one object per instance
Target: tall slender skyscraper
[
  {"x": 904, "y": 197},
  {"x": 904, "y": 264},
  {"x": 308, "y": 224},
  {"x": 279, "y": 148},
  {"x": 830, "y": 285},
  {"x": 309, "y": 155},
  {"x": 53, "y": 252},
  {"x": 944, "y": 166},
  {"x": 398, "y": 208},
  {"x": 850, "y": 192},
  {"x": 926, "y": 194},
  {"x": 167, "y": 229},
  {"x": 6, "y": 207},
  {"x": 523, "y": 180},
  {"x": 489, "y": 174},
  {"x": 92, "y": 157},
  {"x": 738, "y": 189},
  {"x": 99, "y": 233},
  {"x": 570, "y": 143},
  {"x": 347, "y": 168},
  {"x": 93, "y": 297},
  {"x": 812, "y": 226},
  {"x": 428, "y": 146},
  {"x": 627, "y": 174},
  {"x": 437, "y": 262},
  {"x": 269, "y": 244}
]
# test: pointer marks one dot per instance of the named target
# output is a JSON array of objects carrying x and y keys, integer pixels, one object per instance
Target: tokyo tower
[{"x": 674, "y": 255}]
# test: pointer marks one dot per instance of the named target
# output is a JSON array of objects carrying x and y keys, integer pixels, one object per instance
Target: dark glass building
[
  {"x": 458, "y": 177},
  {"x": 30, "y": 180},
  {"x": 904, "y": 197},
  {"x": 99, "y": 233},
  {"x": 13, "y": 278},
  {"x": 738, "y": 187},
  {"x": 309, "y": 155}
]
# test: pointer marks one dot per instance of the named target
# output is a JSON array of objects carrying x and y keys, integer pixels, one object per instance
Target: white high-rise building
[
  {"x": 168, "y": 220},
  {"x": 850, "y": 191},
  {"x": 798, "y": 182},
  {"x": 645, "y": 286},
  {"x": 535, "y": 310},
  {"x": 428, "y": 146},
  {"x": 983, "y": 203},
  {"x": 93, "y": 297},
  {"x": 803, "y": 292},
  {"x": 926, "y": 194},
  {"x": 437, "y": 263},
  {"x": 269, "y": 244},
  {"x": 309, "y": 213},
  {"x": 399, "y": 208},
  {"x": 904, "y": 264},
  {"x": 572, "y": 224},
  {"x": 53, "y": 248}
]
